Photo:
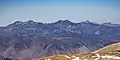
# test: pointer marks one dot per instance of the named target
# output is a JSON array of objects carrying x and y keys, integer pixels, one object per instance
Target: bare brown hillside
[
  {"x": 110, "y": 48},
  {"x": 111, "y": 52}
]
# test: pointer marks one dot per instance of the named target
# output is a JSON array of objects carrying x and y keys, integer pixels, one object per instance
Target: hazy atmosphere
[{"x": 52, "y": 10}]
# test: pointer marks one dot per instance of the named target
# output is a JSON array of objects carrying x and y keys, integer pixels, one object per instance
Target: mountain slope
[
  {"x": 113, "y": 54},
  {"x": 110, "y": 48},
  {"x": 42, "y": 46}
]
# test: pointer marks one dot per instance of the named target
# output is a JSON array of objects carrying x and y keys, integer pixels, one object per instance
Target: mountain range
[{"x": 30, "y": 39}]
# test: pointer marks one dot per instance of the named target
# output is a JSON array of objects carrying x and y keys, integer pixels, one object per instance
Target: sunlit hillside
[{"x": 111, "y": 52}]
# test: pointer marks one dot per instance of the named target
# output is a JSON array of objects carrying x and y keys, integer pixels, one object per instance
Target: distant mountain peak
[
  {"x": 87, "y": 21},
  {"x": 30, "y": 22},
  {"x": 107, "y": 23},
  {"x": 67, "y": 21},
  {"x": 64, "y": 21},
  {"x": 18, "y": 22},
  {"x": 27, "y": 22}
]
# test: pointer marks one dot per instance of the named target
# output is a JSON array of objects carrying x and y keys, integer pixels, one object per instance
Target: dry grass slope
[{"x": 111, "y": 52}]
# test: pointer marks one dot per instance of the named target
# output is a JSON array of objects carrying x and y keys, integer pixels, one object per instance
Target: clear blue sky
[{"x": 52, "y": 10}]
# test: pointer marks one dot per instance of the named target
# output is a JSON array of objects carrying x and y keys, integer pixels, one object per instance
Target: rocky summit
[{"x": 30, "y": 39}]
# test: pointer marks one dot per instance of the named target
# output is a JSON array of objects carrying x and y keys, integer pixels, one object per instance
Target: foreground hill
[
  {"x": 110, "y": 48},
  {"x": 111, "y": 52}
]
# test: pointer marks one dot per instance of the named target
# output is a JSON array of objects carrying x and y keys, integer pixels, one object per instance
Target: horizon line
[{"x": 57, "y": 21}]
